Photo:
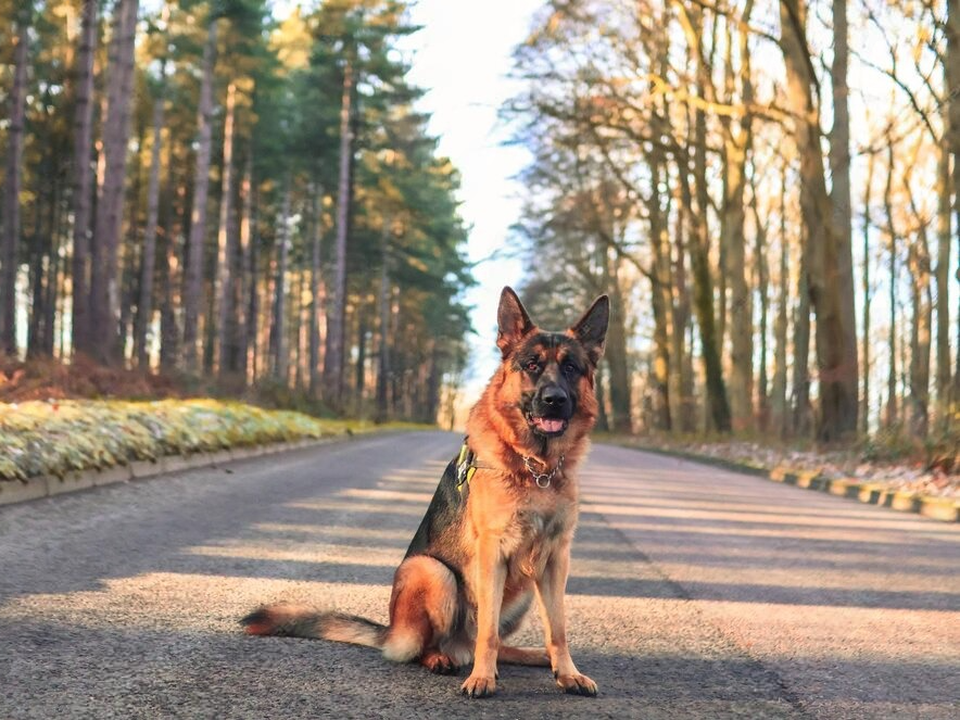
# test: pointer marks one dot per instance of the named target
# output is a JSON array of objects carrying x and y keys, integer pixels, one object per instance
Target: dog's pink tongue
[{"x": 549, "y": 425}]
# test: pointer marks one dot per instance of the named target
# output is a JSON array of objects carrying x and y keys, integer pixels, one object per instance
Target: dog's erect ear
[
  {"x": 591, "y": 329},
  {"x": 512, "y": 321}
]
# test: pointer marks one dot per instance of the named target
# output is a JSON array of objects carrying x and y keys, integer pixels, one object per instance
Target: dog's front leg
[
  {"x": 491, "y": 573},
  {"x": 551, "y": 586}
]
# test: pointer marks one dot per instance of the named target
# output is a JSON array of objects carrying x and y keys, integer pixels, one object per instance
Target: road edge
[
  {"x": 41, "y": 486},
  {"x": 870, "y": 493}
]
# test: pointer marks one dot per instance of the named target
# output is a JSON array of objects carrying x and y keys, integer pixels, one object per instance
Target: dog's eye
[
  {"x": 532, "y": 366},
  {"x": 570, "y": 369}
]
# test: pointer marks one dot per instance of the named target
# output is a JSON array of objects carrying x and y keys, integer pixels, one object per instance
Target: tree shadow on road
[{"x": 170, "y": 616}]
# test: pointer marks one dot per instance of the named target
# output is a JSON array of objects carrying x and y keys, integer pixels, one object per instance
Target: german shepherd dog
[{"x": 498, "y": 530}]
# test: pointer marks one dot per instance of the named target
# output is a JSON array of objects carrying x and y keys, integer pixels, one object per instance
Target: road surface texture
[{"x": 695, "y": 593}]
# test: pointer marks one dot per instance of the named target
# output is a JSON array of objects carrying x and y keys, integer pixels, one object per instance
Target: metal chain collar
[{"x": 542, "y": 479}]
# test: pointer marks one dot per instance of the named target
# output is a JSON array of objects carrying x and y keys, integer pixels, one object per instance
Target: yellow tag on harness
[
  {"x": 465, "y": 467},
  {"x": 470, "y": 471}
]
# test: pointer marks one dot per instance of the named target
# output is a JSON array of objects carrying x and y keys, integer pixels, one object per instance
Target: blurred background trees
[
  {"x": 769, "y": 193},
  {"x": 207, "y": 189},
  {"x": 247, "y": 196}
]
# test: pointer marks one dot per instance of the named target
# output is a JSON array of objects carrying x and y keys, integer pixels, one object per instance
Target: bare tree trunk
[
  {"x": 839, "y": 159},
  {"x": 397, "y": 359},
  {"x": 616, "y": 354},
  {"x": 297, "y": 331},
  {"x": 169, "y": 335},
  {"x": 37, "y": 249},
  {"x": 360, "y": 374},
  {"x": 253, "y": 314},
  {"x": 778, "y": 399},
  {"x": 148, "y": 259},
  {"x": 903, "y": 379},
  {"x": 682, "y": 395},
  {"x": 333, "y": 359},
  {"x": 920, "y": 334},
  {"x": 248, "y": 270},
  {"x": 193, "y": 276},
  {"x": 918, "y": 258},
  {"x": 278, "y": 350},
  {"x": 740, "y": 309},
  {"x": 169, "y": 275},
  {"x": 82, "y": 133},
  {"x": 801, "y": 354},
  {"x": 718, "y": 410},
  {"x": 867, "y": 298},
  {"x": 891, "y": 417},
  {"x": 105, "y": 280},
  {"x": 433, "y": 385},
  {"x": 316, "y": 292},
  {"x": 942, "y": 279},
  {"x": 130, "y": 269},
  {"x": 208, "y": 342},
  {"x": 603, "y": 421},
  {"x": 11, "y": 189},
  {"x": 661, "y": 351},
  {"x": 661, "y": 300},
  {"x": 738, "y": 142},
  {"x": 226, "y": 244},
  {"x": 763, "y": 277},
  {"x": 837, "y": 374},
  {"x": 718, "y": 407},
  {"x": 669, "y": 280},
  {"x": 953, "y": 140},
  {"x": 52, "y": 286},
  {"x": 384, "y": 370},
  {"x": 246, "y": 329},
  {"x": 891, "y": 412},
  {"x": 35, "y": 281}
]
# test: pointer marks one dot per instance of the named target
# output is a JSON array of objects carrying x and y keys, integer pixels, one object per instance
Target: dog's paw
[
  {"x": 478, "y": 686},
  {"x": 439, "y": 663},
  {"x": 577, "y": 685}
]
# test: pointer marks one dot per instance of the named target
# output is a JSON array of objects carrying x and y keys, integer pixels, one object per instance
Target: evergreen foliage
[{"x": 275, "y": 251}]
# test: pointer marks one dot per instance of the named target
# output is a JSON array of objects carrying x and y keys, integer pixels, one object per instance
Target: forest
[
  {"x": 208, "y": 190},
  {"x": 768, "y": 191},
  {"x": 229, "y": 191}
]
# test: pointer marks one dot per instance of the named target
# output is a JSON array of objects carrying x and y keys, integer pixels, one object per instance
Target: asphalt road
[{"x": 696, "y": 593}]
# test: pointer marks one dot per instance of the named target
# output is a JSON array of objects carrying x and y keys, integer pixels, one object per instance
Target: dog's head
[{"x": 552, "y": 372}]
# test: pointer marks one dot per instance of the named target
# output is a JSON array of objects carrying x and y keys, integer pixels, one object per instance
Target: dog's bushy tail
[{"x": 305, "y": 622}]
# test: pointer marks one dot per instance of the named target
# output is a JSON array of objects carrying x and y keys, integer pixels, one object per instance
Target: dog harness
[{"x": 467, "y": 468}]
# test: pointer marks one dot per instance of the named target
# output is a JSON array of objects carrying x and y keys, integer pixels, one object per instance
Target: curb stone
[
  {"x": 872, "y": 493},
  {"x": 40, "y": 486}
]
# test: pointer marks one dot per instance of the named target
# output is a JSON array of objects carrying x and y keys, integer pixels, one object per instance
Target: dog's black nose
[{"x": 553, "y": 396}]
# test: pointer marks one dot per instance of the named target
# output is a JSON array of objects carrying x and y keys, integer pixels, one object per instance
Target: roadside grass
[{"x": 59, "y": 436}]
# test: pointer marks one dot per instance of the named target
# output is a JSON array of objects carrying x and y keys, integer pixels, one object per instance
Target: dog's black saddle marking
[{"x": 446, "y": 507}]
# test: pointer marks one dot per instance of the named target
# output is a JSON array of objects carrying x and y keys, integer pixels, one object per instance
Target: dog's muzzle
[{"x": 552, "y": 407}]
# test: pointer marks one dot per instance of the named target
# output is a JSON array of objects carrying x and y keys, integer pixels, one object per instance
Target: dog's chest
[
  {"x": 532, "y": 535},
  {"x": 538, "y": 526}
]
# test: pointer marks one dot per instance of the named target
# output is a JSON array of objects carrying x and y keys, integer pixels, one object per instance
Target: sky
[{"x": 462, "y": 56}]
